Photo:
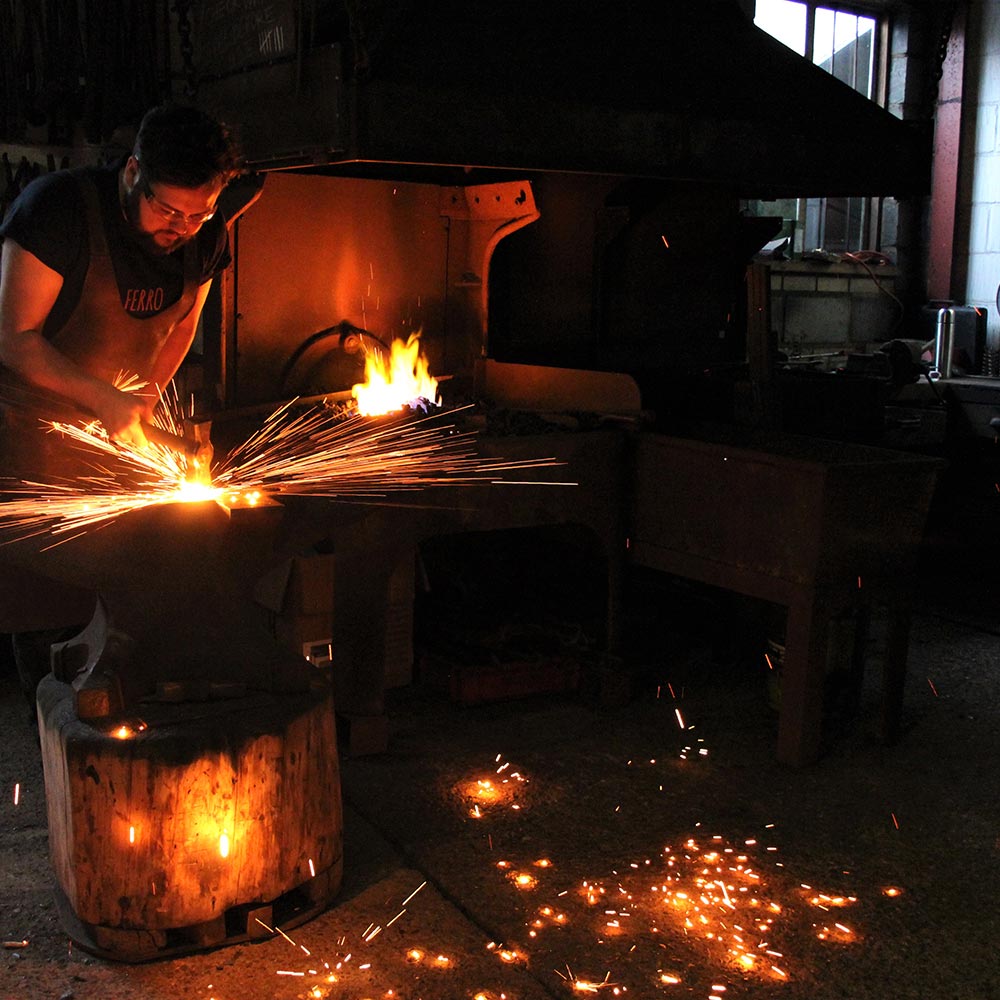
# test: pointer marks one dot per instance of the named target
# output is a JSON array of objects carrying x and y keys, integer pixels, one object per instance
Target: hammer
[{"x": 195, "y": 445}]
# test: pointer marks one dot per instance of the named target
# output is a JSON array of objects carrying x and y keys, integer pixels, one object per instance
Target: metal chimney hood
[{"x": 453, "y": 91}]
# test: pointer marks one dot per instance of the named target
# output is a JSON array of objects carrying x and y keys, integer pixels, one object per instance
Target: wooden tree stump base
[{"x": 198, "y": 825}]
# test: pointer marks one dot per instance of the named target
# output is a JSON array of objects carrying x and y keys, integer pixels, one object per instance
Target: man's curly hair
[{"x": 186, "y": 147}]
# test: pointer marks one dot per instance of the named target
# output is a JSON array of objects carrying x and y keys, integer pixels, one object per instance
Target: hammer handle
[{"x": 167, "y": 440}]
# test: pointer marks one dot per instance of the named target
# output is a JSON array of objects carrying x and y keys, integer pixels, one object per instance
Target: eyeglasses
[{"x": 171, "y": 215}]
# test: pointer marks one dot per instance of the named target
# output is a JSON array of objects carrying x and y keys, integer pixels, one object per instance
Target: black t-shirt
[{"x": 48, "y": 219}]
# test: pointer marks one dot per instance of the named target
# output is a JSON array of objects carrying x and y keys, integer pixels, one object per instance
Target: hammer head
[
  {"x": 198, "y": 433},
  {"x": 194, "y": 445}
]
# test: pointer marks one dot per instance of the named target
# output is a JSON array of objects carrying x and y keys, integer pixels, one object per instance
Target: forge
[{"x": 191, "y": 769}]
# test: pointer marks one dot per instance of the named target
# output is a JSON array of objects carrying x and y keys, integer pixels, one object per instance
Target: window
[
  {"x": 840, "y": 41},
  {"x": 847, "y": 44}
]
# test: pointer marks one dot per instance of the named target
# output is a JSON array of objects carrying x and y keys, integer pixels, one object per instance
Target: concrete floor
[{"x": 622, "y": 805}]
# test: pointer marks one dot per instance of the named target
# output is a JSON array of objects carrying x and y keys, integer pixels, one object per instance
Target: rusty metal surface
[{"x": 945, "y": 178}]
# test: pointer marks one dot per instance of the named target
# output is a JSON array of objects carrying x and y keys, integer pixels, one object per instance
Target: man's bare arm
[
  {"x": 28, "y": 290},
  {"x": 177, "y": 345}
]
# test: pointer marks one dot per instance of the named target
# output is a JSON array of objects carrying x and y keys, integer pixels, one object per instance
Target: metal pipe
[{"x": 944, "y": 343}]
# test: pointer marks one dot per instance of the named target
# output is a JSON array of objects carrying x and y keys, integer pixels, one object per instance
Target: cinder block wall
[
  {"x": 983, "y": 274},
  {"x": 821, "y": 308}
]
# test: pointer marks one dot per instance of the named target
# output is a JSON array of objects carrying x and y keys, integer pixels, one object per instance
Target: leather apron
[
  {"x": 105, "y": 341},
  {"x": 100, "y": 336}
]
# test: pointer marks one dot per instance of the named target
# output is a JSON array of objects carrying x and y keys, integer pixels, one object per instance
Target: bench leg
[{"x": 800, "y": 723}]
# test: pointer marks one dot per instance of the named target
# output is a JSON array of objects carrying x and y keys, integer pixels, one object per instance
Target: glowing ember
[
  {"x": 585, "y": 985},
  {"x": 482, "y": 794},
  {"x": 712, "y": 895},
  {"x": 128, "y": 730},
  {"x": 393, "y": 382},
  {"x": 224, "y": 844}
]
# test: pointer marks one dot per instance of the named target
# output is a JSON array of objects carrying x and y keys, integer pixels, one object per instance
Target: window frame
[{"x": 812, "y": 214}]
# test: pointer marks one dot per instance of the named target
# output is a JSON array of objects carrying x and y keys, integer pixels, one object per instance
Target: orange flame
[{"x": 392, "y": 382}]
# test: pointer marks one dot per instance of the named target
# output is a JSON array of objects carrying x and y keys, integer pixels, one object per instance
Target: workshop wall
[
  {"x": 73, "y": 72},
  {"x": 822, "y": 308},
  {"x": 983, "y": 258}
]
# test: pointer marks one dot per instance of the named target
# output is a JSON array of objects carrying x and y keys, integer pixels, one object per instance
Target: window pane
[
  {"x": 785, "y": 20},
  {"x": 844, "y": 45},
  {"x": 823, "y": 42},
  {"x": 865, "y": 82}
]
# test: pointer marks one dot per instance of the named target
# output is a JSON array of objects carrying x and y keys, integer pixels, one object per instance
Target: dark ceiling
[{"x": 645, "y": 88}]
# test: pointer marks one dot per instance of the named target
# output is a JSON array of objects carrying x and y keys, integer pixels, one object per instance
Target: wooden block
[{"x": 160, "y": 836}]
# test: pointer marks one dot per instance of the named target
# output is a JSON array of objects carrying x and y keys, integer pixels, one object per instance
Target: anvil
[{"x": 175, "y": 616}]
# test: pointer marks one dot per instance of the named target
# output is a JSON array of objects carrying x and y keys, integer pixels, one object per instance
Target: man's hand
[{"x": 121, "y": 413}]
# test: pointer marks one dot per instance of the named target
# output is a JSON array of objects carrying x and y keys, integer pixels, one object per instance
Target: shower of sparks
[
  {"x": 502, "y": 790},
  {"x": 319, "y": 451},
  {"x": 328, "y": 972},
  {"x": 121, "y": 477},
  {"x": 710, "y": 907},
  {"x": 711, "y": 895},
  {"x": 724, "y": 906}
]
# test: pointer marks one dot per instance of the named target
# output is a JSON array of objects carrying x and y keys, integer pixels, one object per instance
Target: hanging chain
[
  {"x": 947, "y": 24},
  {"x": 182, "y": 8},
  {"x": 356, "y": 27}
]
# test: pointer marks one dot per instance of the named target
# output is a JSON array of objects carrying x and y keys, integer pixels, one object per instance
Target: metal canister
[{"x": 944, "y": 342}]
